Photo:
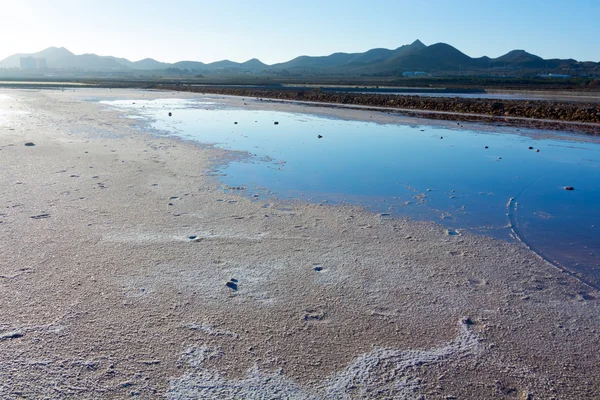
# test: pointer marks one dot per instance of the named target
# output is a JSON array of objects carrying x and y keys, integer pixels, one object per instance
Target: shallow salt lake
[{"x": 464, "y": 178}]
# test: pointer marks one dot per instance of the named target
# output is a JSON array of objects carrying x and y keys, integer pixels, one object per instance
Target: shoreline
[
  {"x": 504, "y": 121},
  {"x": 536, "y": 114},
  {"x": 108, "y": 295},
  {"x": 381, "y": 115}
]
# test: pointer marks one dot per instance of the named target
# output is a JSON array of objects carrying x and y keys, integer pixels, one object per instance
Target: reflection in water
[{"x": 460, "y": 178}]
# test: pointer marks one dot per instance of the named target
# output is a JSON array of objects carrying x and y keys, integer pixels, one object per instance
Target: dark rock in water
[
  {"x": 232, "y": 285},
  {"x": 486, "y": 147},
  {"x": 537, "y": 150},
  {"x": 276, "y": 123},
  {"x": 530, "y": 147},
  {"x": 441, "y": 137},
  {"x": 29, "y": 144},
  {"x": 319, "y": 136},
  {"x": 170, "y": 114},
  {"x": 569, "y": 188},
  {"x": 235, "y": 123}
]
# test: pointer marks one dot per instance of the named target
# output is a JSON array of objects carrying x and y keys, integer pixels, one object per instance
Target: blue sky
[{"x": 278, "y": 30}]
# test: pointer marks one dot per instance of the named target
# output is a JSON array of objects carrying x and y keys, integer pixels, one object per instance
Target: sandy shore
[{"x": 104, "y": 294}]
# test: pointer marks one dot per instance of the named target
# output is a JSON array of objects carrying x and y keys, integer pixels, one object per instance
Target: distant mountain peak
[
  {"x": 517, "y": 52},
  {"x": 253, "y": 63},
  {"x": 417, "y": 43},
  {"x": 519, "y": 56},
  {"x": 57, "y": 49},
  {"x": 54, "y": 53}
]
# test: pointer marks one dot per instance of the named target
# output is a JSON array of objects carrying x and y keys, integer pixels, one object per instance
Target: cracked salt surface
[{"x": 390, "y": 372}]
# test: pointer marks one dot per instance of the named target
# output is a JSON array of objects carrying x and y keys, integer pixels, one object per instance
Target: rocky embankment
[{"x": 542, "y": 113}]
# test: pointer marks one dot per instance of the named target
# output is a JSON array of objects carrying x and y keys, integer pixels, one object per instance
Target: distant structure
[
  {"x": 563, "y": 76},
  {"x": 28, "y": 63},
  {"x": 41, "y": 63},
  {"x": 408, "y": 74},
  {"x": 33, "y": 63}
]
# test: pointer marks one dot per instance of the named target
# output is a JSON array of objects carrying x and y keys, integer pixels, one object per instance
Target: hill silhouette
[{"x": 416, "y": 56}]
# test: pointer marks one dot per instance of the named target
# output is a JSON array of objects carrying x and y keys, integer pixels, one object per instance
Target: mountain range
[{"x": 439, "y": 57}]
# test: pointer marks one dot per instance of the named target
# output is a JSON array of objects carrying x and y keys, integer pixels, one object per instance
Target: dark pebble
[
  {"x": 192, "y": 237},
  {"x": 486, "y": 147},
  {"x": 41, "y": 216},
  {"x": 569, "y": 188},
  {"x": 170, "y": 114},
  {"x": 319, "y": 136},
  {"x": 530, "y": 147},
  {"x": 12, "y": 335},
  {"x": 232, "y": 285},
  {"x": 318, "y": 268},
  {"x": 276, "y": 123},
  {"x": 234, "y": 280},
  {"x": 537, "y": 150},
  {"x": 29, "y": 144},
  {"x": 235, "y": 123}
]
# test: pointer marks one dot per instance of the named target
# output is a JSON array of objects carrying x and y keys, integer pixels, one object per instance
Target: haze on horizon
[{"x": 279, "y": 30}]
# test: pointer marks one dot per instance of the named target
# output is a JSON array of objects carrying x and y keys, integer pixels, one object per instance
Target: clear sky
[{"x": 279, "y": 30}]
